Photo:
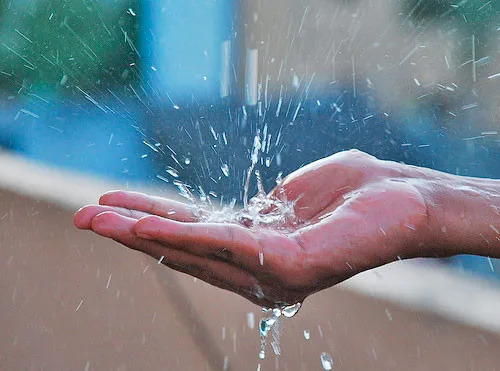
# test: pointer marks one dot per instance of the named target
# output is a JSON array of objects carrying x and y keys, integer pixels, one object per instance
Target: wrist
[{"x": 463, "y": 215}]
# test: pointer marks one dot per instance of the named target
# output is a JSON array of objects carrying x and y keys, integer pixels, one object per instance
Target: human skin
[{"x": 356, "y": 213}]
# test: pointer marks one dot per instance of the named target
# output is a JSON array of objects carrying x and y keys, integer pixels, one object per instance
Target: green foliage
[{"x": 62, "y": 43}]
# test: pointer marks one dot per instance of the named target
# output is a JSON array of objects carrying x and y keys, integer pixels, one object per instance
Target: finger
[
  {"x": 150, "y": 204},
  {"x": 217, "y": 273},
  {"x": 83, "y": 217},
  {"x": 230, "y": 242}
]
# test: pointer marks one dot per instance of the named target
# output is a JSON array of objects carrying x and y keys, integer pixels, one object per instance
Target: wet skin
[{"x": 356, "y": 213}]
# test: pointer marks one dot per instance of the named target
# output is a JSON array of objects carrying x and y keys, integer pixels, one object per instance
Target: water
[
  {"x": 326, "y": 361},
  {"x": 307, "y": 334},
  {"x": 291, "y": 310},
  {"x": 260, "y": 211},
  {"x": 272, "y": 322},
  {"x": 225, "y": 170},
  {"x": 174, "y": 173}
]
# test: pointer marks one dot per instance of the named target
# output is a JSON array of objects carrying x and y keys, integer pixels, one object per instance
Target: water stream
[{"x": 260, "y": 211}]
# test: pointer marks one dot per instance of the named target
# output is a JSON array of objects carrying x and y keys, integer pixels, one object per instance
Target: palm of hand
[{"x": 347, "y": 225}]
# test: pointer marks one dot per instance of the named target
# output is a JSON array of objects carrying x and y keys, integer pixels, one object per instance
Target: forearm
[{"x": 464, "y": 215}]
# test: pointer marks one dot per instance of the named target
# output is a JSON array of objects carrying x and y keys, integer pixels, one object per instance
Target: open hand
[{"x": 356, "y": 212}]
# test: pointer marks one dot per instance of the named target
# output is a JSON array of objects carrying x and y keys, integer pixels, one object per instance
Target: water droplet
[
  {"x": 261, "y": 258},
  {"x": 172, "y": 172},
  {"x": 187, "y": 160},
  {"x": 279, "y": 177},
  {"x": 307, "y": 334},
  {"x": 225, "y": 170},
  {"x": 388, "y": 314},
  {"x": 291, "y": 310},
  {"x": 278, "y": 159},
  {"x": 184, "y": 190},
  {"x": 326, "y": 361},
  {"x": 265, "y": 325},
  {"x": 64, "y": 80},
  {"x": 257, "y": 291}
]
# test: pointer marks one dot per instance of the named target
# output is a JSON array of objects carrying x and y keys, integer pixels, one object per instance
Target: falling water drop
[
  {"x": 277, "y": 312},
  {"x": 291, "y": 310},
  {"x": 172, "y": 172},
  {"x": 279, "y": 177},
  {"x": 184, "y": 191},
  {"x": 187, "y": 161},
  {"x": 260, "y": 210},
  {"x": 272, "y": 322},
  {"x": 307, "y": 334},
  {"x": 326, "y": 361}
]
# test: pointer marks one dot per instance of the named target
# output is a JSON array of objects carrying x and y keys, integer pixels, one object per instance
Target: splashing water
[
  {"x": 254, "y": 159},
  {"x": 260, "y": 211},
  {"x": 272, "y": 322}
]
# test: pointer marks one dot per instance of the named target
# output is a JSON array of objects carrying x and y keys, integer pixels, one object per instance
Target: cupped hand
[{"x": 355, "y": 212}]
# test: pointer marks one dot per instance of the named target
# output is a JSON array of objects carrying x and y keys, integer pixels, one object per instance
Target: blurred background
[
  {"x": 148, "y": 91},
  {"x": 149, "y": 94}
]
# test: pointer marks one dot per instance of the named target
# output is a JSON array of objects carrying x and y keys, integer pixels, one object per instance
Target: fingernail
[
  {"x": 143, "y": 230},
  {"x": 147, "y": 227}
]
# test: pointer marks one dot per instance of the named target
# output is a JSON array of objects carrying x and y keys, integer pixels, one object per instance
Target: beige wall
[{"x": 360, "y": 44}]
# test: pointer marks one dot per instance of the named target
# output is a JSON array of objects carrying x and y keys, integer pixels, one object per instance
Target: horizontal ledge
[
  {"x": 430, "y": 286},
  {"x": 421, "y": 284}
]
